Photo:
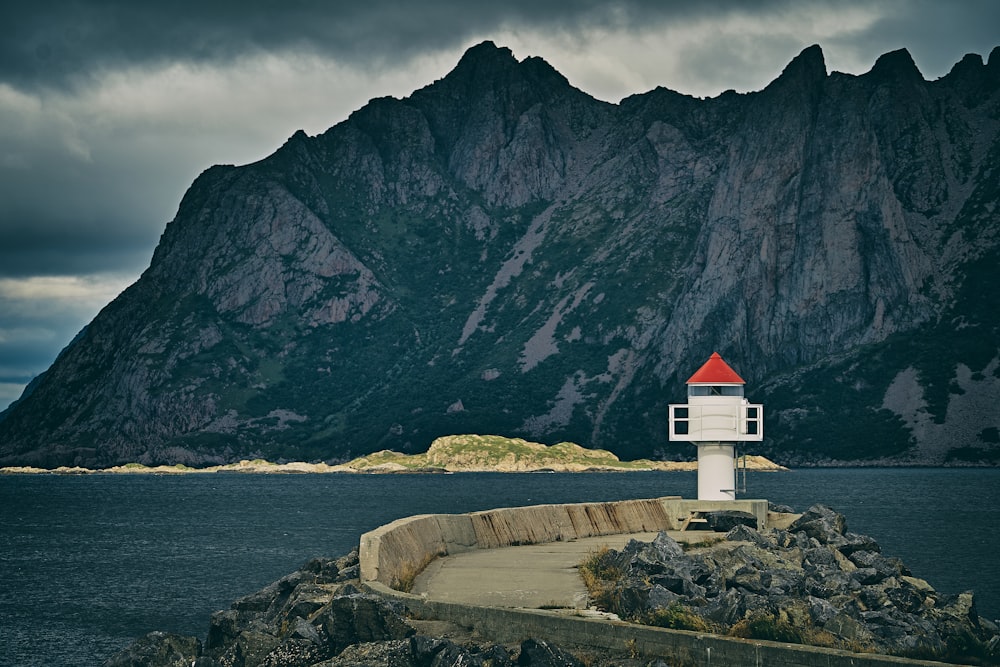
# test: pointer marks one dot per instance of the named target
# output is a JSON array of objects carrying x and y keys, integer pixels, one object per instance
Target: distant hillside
[
  {"x": 499, "y": 252},
  {"x": 491, "y": 453}
]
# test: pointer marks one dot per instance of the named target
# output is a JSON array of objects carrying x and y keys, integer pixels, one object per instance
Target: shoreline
[{"x": 261, "y": 467}]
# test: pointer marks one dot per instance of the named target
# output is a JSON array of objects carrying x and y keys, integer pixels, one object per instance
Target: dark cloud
[
  {"x": 67, "y": 248},
  {"x": 54, "y": 42},
  {"x": 63, "y": 216}
]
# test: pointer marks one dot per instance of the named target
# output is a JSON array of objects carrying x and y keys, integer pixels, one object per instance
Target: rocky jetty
[
  {"x": 814, "y": 583},
  {"x": 318, "y": 617}
]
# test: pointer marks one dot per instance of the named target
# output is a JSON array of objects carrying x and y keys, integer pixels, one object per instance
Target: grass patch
[
  {"x": 677, "y": 617},
  {"x": 767, "y": 627},
  {"x": 602, "y": 577},
  {"x": 408, "y": 573},
  {"x": 701, "y": 544}
]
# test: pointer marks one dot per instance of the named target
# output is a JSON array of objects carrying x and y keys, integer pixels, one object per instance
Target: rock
[
  {"x": 448, "y": 654},
  {"x": 854, "y": 542},
  {"x": 538, "y": 653},
  {"x": 906, "y": 598},
  {"x": 667, "y": 547},
  {"x": 249, "y": 649},
  {"x": 328, "y": 571},
  {"x": 395, "y": 653},
  {"x": 820, "y": 610},
  {"x": 745, "y": 533},
  {"x": 158, "y": 649},
  {"x": 353, "y": 619},
  {"x": 722, "y": 521},
  {"x": 867, "y": 575},
  {"x": 845, "y": 627},
  {"x": 294, "y": 653},
  {"x": 660, "y": 597},
  {"x": 822, "y": 524},
  {"x": 303, "y": 629}
]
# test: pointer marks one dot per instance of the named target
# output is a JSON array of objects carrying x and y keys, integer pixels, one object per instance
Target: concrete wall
[{"x": 505, "y": 625}]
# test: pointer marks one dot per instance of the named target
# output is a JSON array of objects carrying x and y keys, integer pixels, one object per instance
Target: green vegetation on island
[{"x": 453, "y": 453}]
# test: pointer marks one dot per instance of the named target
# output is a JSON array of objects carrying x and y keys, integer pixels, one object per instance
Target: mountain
[{"x": 500, "y": 252}]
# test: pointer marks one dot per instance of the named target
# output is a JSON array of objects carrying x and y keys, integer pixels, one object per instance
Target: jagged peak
[
  {"x": 805, "y": 69},
  {"x": 993, "y": 62},
  {"x": 896, "y": 64},
  {"x": 486, "y": 63},
  {"x": 969, "y": 67},
  {"x": 483, "y": 58},
  {"x": 809, "y": 61},
  {"x": 486, "y": 67},
  {"x": 542, "y": 70},
  {"x": 976, "y": 79},
  {"x": 970, "y": 61}
]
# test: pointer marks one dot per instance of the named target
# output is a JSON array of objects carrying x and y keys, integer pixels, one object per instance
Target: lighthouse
[{"x": 716, "y": 418}]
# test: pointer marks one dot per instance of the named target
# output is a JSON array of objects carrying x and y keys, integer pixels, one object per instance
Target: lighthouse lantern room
[{"x": 716, "y": 418}]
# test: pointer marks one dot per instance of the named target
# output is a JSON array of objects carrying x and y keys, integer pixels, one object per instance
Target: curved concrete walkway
[{"x": 535, "y": 576}]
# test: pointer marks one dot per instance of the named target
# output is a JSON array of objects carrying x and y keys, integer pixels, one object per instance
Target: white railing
[{"x": 716, "y": 422}]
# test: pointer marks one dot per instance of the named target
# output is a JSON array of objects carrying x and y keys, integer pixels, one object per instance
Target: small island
[{"x": 453, "y": 453}]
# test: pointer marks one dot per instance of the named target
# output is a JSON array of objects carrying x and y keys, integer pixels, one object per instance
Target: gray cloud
[
  {"x": 40, "y": 316},
  {"x": 57, "y": 41}
]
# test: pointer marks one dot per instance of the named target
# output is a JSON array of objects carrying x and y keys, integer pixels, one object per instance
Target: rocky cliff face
[{"x": 501, "y": 253}]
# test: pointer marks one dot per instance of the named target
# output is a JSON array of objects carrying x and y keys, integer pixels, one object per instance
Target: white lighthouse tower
[{"x": 716, "y": 418}]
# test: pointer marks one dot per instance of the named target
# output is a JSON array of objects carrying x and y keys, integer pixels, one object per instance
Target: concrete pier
[{"x": 511, "y": 574}]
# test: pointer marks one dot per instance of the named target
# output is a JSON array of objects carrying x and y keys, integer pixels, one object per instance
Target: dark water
[{"x": 87, "y": 564}]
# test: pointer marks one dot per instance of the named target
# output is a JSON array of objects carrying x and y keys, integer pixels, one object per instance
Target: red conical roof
[{"x": 715, "y": 371}]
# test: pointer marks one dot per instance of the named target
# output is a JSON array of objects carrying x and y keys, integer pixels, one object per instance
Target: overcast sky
[{"x": 110, "y": 108}]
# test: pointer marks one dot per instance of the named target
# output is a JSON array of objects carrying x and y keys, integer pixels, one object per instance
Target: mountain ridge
[{"x": 501, "y": 252}]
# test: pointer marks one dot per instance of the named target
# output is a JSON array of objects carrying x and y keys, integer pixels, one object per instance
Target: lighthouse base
[{"x": 716, "y": 471}]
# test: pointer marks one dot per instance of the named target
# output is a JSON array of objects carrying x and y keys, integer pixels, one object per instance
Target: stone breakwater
[{"x": 330, "y": 614}]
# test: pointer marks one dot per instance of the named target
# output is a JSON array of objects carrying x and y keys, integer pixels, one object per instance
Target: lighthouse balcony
[{"x": 716, "y": 422}]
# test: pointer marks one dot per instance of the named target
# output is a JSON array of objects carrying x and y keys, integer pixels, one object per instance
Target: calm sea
[{"x": 88, "y": 564}]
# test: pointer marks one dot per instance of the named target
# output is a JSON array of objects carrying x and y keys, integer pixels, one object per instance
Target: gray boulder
[
  {"x": 745, "y": 533},
  {"x": 538, "y": 653},
  {"x": 158, "y": 649},
  {"x": 722, "y": 521},
  {"x": 354, "y": 619},
  {"x": 822, "y": 524}
]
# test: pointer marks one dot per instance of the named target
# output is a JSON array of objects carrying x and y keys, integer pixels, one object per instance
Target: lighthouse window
[
  {"x": 752, "y": 421},
  {"x": 680, "y": 420},
  {"x": 715, "y": 390}
]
